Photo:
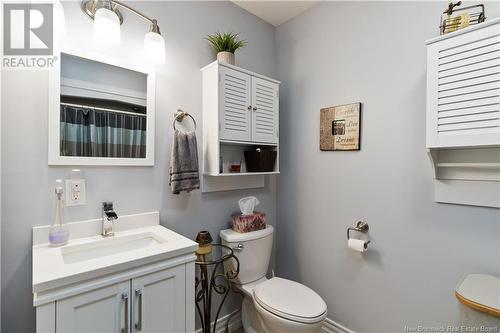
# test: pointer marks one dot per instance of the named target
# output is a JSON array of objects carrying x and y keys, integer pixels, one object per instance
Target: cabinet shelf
[
  {"x": 235, "y": 174},
  {"x": 246, "y": 143},
  {"x": 469, "y": 165}
]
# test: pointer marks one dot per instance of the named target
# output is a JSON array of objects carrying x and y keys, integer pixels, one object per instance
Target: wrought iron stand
[{"x": 214, "y": 280}]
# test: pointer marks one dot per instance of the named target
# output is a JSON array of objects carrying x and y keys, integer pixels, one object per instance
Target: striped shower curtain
[{"x": 98, "y": 133}]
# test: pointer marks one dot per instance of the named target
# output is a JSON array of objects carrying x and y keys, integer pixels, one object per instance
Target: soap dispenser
[{"x": 58, "y": 234}]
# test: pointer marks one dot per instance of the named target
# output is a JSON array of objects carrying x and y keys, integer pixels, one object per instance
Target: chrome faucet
[{"x": 108, "y": 218}]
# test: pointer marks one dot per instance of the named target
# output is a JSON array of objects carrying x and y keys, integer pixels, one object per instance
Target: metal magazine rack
[
  {"x": 456, "y": 17},
  {"x": 212, "y": 277}
]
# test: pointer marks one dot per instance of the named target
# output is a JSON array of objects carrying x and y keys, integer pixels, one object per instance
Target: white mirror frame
[{"x": 54, "y": 115}]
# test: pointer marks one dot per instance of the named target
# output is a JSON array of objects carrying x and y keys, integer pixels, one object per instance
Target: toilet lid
[
  {"x": 480, "y": 292},
  {"x": 289, "y": 299}
]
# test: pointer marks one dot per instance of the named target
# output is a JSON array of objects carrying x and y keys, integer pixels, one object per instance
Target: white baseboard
[
  {"x": 330, "y": 326},
  {"x": 234, "y": 323}
]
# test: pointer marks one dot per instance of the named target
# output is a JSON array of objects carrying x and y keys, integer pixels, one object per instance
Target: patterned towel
[{"x": 184, "y": 175}]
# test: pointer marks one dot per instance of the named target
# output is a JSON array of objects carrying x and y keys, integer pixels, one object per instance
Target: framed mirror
[{"x": 101, "y": 112}]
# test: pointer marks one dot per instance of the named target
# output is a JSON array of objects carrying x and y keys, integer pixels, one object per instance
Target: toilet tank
[{"x": 253, "y": 250}]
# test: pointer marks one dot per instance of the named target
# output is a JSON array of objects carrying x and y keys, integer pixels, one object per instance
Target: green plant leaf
[{"x": 225, "y": 42}]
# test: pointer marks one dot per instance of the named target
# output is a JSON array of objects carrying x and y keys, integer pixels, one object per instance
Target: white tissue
[
  {"x": 357, "y": 245},
  {"x": 247, "y": 204}
]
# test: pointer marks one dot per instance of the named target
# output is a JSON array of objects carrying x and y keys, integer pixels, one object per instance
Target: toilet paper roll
[{"x": 358, "y": 245}]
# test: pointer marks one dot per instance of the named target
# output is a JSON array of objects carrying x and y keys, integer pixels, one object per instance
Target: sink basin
[
  {"x": 139, "y": 241},
  {"x": 110, "y": 246}
]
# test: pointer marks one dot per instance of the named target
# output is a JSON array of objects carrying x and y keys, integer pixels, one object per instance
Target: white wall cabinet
[
  {"x": 240, "y": 113},
  {"x": 463, "y": 87},
  {"x": 249, "y": 107},
  {"x": 463, "y": 114}
]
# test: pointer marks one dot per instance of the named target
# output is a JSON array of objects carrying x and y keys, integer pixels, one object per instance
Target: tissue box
[{"x": 247, "y": 223}]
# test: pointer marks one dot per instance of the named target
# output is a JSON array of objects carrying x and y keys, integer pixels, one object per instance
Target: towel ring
[{"x": 180, "y": 115}]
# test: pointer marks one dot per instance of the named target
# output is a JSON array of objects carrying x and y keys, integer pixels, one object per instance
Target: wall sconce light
[{"x": 107, "y": 20}]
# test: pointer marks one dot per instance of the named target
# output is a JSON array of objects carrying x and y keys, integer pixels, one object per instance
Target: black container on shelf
[{"x": 260, "y": 160}]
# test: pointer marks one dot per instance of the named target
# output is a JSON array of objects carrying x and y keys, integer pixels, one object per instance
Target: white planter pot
[{"x": 226, "y": 57}]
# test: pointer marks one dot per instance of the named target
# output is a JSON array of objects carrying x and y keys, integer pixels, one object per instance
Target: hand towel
[{"x": 184, "y": 174}]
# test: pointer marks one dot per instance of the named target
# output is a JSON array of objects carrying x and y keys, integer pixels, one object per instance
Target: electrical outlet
[{"x": 75, "y": 192}]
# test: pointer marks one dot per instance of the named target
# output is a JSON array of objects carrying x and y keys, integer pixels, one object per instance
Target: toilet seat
[{"x": 290, "y": 300}]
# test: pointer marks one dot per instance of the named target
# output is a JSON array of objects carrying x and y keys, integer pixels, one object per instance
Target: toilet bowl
[{"x": 273, "y": 305}]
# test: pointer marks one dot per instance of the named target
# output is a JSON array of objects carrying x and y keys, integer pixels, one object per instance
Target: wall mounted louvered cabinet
[
  {"x": 463, "y": 114},
  {"x": 265, "y": 99},
  {"x": 240, "y": 113},
  {"x": 248, "y": 107},
  {"x": 463, "y": 87},
  {"x": 235, "y": 105}
]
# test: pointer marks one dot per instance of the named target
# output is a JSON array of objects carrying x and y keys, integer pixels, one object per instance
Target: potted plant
[{"x": 225, "y": 44}]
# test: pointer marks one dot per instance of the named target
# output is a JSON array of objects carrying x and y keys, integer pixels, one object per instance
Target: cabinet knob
[
  {"x": 254, "y": 108},
  {"x": 249, "y": 108}
]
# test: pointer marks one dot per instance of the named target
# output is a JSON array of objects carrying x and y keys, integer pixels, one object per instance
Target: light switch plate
[{"x": 75, "y": 192}]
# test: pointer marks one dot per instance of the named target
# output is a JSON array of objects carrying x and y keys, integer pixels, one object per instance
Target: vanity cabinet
[
  {"x": 151, "y": 303},
  {"x": 158, "y": 301},
  {"x": 101, "y": 310},
  {"x": 240, "y": 113},
  {"x": 142, "y": 279}
]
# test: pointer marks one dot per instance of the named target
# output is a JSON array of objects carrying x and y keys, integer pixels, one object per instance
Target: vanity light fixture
[
  {"x": 107, "y": 20},
  {"x": 106, "y": 26}
]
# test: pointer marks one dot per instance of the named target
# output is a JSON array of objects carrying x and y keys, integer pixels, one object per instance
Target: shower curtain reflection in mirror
[{"x": 98, "y": 133}]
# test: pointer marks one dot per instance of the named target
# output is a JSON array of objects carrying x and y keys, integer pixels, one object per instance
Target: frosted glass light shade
[
  {"x": 106, "y": 27},
  {"x": 154, "y": 48}
]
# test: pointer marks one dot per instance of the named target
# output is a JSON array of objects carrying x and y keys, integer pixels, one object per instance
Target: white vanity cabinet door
[
  {"x": 159, "y": 303},
  {"x": 99, "y": 311},
  {"x": 265, "y": 111},
  {"x": 235, "y": 105}
]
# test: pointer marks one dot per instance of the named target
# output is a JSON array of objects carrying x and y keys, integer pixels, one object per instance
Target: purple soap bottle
[{"x": 58, "y": 234}]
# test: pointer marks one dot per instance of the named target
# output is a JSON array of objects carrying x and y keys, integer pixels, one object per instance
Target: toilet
[{"x": 273, "y": 305}]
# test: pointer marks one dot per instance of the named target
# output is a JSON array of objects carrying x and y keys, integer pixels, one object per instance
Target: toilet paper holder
[{"x": 361, "y": 226}]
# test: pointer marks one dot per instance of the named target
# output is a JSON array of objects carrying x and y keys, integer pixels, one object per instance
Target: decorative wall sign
[{"x": 340, "y": 127}]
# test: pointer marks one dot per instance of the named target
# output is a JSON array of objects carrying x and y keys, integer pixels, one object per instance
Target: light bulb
[
  {"x": 106, "y": 27},
  {"x": 154, "y": 48}
]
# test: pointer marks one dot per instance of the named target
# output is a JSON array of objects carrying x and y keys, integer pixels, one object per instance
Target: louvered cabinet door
[
  {"x": 235, "y": 105},
  {"x": 265, "y": 111},
  {"x": 463, "y": 89}
]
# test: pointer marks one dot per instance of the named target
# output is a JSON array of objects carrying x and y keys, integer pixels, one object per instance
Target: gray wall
[
  {"x": 82, "y": 69},
  {"x": 27, "y": 185},
  {"x": 371, "y": 52}
]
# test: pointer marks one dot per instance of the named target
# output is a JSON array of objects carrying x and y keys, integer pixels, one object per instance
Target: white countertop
[{"x": 51, "y": 269}]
